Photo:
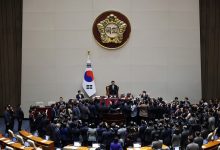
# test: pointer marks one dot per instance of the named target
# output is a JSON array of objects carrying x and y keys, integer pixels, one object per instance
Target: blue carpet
[{"x": 25, "y": 126}]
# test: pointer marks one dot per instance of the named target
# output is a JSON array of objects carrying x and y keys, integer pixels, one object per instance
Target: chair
[
  {"x": 20, "y": 139},
  {"x": 8, "y": 148},
  {"x": 11, "y": 134},
  {"x": 32, "y": 144}
]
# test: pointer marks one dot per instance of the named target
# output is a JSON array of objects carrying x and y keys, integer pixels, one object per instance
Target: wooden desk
[
  {"x": 164, "y": 147},
  {"x": 113, "y": 117},
  {"x": 46, "y": 109},
  {"x": 211, "y": 145},
  {"x": 17, "y": 146},
  {"x": 45, "y": 144},
  {"x": 71, "y": 147}
]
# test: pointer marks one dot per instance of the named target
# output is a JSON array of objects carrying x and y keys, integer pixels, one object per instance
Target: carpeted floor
[{"x": 25, "y": 126}]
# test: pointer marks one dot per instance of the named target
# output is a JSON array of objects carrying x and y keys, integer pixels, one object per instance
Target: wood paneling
[
  {"x": 10, "y": 52},
  {"x": 210, "y": 47}
]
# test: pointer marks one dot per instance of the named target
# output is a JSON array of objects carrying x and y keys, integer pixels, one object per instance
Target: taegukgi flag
[{"x": 88, "y": 80}]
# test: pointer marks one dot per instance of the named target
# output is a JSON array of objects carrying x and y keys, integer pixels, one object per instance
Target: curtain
[
  {"x": 210, "y": 48},
  {"x": 10, "y": 52}
]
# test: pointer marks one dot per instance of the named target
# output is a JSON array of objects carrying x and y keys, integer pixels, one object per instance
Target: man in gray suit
[
  {"x": 192, "y": 145},
  {"x": 157, "y": 144},
  {"x": 211, "y": 121},
  {"x": 198, "y": 139}
]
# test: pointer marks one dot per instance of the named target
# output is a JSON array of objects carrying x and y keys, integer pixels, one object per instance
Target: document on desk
[
  {"x": 29, "y": 136},
  {"x": 44, "y": 141},
  {"x": 22, "y": 147}
]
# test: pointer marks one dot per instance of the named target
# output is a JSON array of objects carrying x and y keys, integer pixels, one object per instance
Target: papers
[
  {"x": 70, "y": 147},
  {"x": 44, "y": 141},
  {"x": 2, "y": 138},
  {"x": 22, "y": 147},
  {"x": 29, "y": 136}
]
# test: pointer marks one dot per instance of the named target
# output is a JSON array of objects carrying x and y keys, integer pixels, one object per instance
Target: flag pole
[{"x": 88, "y": 54}]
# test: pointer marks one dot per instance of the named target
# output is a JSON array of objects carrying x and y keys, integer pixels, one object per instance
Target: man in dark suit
[
  {"x": 157, "y": 144},
  {"x": 80, "y": 95},
  {"x": 192, "y": 145},
  {"x": 198, "y": 139},
  {"x": 113, "y": 89},
  {"x": 7, "y": 119},
  {"x": 115, "y": 145},
  {"x": 20, "y": 117}
]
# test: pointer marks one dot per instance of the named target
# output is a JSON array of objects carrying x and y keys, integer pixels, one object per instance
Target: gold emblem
[{"x": 111, "y": 29}]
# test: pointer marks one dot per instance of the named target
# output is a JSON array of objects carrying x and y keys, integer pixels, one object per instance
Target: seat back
[
  {"x": 8, "y": 148},
  {"x": 11, "y": 134},
  {"x": 32, "y": 144},
  {"x": 20, "y": 139}
]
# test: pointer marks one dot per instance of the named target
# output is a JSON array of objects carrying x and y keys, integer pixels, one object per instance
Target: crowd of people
[{"x": 149, "y": 121}]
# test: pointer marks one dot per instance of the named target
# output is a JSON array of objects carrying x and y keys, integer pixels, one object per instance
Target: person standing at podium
[
  {"x": 79, "y": 95},
  {"x": 113, "y": 89}
]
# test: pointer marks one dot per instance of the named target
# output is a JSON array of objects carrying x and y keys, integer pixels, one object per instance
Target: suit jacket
[
  {"x": 115, "y": 146},
  {"x": 192, "y": 146},
  {"x": 7, "y": 117},
  {"x": 176, "y": 139},
  {"x": 113, "y": 91},
  {"x": 166, "y": 136},
  {"x": 107, "y": 137},
  {"x": 79, "y": 96},
  {"x": 184, "y": 138},
  {"x": 199, "y": 141}
]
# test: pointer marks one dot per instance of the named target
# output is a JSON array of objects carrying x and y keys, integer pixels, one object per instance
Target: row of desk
[
  {"x": 49, "y": 145},
  {"x": 15, "y": 145},
  {"x": 211, "y": 145},
  {"x": 40, "y": 142}
]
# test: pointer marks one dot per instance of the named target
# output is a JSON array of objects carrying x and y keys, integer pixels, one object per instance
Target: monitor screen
[
  {"x": 14, "y": 139},
  {"x": 35, "y": 134},
  {"x": 47, "y": 137},
  {"x": 205, "y": 141},
  {"x": 136, "y": 145},
  {"x": 78, "y": 144},
  {"x": 176, "y": 148},
  {"x": 95, "y": 145},
  {"x": 26, "y": 144}
]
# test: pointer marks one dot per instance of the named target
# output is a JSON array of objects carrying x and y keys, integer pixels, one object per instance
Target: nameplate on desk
[
  {"x": 22, "y": 147},
  {"x": 29, "y": 136},
  {"x": 43, "y": 141}
]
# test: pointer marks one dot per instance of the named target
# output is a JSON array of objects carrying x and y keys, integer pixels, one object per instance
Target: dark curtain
[
  {"x": 210, "y": 48},
  {"x": 10, "y": 52}
]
